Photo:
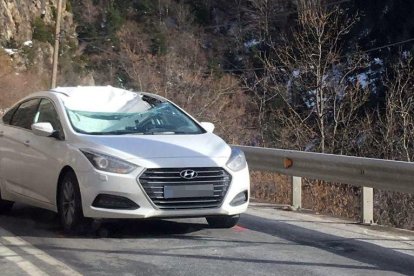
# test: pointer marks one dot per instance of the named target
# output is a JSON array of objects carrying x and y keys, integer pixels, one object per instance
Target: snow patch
[
  {"x": 363, "y": 80},
  {"x": 406, "y": 54},
  {"x": 296, "y": 73},
  {"x": 309, "y": 99},
  {"x": 251, "y": 43},
  {"x": 378, "y": 61},
  {"x": 28, "y": 43},
  {"x": 10, "y": 52}
]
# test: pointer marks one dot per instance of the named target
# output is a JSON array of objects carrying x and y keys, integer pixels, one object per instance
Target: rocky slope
[
  {"x": 27, "y": 32},
  {"x": 17, "y": 18}
]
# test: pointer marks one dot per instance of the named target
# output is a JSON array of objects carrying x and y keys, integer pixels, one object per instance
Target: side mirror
[
  {"x": 209, "y": 127},
  {"x": 43, "y": 129}
]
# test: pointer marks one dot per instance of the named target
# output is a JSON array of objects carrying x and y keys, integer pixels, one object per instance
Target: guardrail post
[
  {"x": 296, "y": 192},
  {"x": 367, "y": 208}
]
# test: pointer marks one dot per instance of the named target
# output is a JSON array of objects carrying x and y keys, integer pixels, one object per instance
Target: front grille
[{"x": 154, "y": 182}]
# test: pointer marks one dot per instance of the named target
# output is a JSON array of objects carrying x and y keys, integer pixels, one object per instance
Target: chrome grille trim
[
  {"x": 187, "y": 182},
  {"x": 153, "y": 181}
]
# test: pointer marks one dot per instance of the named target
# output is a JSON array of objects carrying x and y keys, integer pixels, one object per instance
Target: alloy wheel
[{"x": 68, "y": 202}]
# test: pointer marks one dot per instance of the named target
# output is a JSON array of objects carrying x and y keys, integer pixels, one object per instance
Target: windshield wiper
[
  {"x": 115, "y": 132},
  {"x": 167, "y": 133},
  {"x": 160, "y": 133},
  {"x": 126, "y": 132}
]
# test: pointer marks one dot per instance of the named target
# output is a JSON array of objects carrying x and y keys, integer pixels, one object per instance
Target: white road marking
[
  {"x": 39, "y": 254},
  {"x": 23, "y": 264}
]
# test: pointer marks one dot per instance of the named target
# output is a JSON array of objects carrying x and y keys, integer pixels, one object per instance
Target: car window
[
  {"x": 9, "y": 114},
  {"x": 24, "y": 115},
  {"x": 47, "y": 114}
]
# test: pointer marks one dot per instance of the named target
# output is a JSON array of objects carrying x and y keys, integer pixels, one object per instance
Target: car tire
[
  {"x": 223, "y": 221},
  {"x": 70, "y": 204},
  {"x": 5, "y": 205}
]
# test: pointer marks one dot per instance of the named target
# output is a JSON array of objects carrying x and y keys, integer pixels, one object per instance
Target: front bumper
[{"x": 93, "y": 183}]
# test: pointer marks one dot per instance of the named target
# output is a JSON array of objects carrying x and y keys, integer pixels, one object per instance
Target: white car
[{"x": 104, "y": 152}]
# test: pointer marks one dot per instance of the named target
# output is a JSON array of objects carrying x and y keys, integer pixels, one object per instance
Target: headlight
[
  {"x": 237, "y": 160},
  {"x": 108, "y": 163}
]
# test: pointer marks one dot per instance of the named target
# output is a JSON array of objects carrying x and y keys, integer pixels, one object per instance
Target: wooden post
[{"x": 56, "y": 48}]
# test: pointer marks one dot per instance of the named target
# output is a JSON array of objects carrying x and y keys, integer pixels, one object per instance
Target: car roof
[
  {"x": 75, "y": 90},
  {"x": 82, "y": 90},
  {"x": 64, "y": 93}
]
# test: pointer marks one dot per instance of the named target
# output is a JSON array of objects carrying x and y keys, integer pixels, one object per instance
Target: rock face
[
  {"x": 16, "y": 17},
  {"x": 17, "y": 21}
]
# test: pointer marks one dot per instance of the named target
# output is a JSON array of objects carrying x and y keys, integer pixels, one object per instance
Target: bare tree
[
  {"x": 398, "y": 122},
  {"x": 395, "y": 140},
  {"x": 181, "y": 75},
  {"x": 309, "y": 81},
  {"x": 263, "y": 16}
]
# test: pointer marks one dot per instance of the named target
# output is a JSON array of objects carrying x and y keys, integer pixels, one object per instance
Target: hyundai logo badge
[{"x": 188, "y": 174}]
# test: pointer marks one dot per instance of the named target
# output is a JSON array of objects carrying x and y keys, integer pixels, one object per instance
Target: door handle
[
  {"x": 27, "y": 143},
  {"x": 1, "y": 133}
]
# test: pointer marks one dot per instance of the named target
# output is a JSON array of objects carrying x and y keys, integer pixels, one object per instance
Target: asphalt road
[{"x": 267, "y": 241}]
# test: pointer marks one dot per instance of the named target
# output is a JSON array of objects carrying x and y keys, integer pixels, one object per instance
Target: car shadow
[
  {"x": 43, "y": 223},
  {"x": 30, "y": 222}
]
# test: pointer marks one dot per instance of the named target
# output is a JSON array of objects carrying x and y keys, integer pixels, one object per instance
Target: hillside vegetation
[{"x": 325, "y": 76}]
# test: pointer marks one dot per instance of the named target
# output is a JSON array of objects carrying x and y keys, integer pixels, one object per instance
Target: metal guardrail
[{"x": 366, "y": 172}]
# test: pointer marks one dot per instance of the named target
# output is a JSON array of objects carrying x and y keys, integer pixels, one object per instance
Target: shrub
[
  {"x": 201, "y": 12},
  {"x": 42, "y": 32},
  {"x": 158, "y": 43},
  {"x": 54, "y": 13},
  {"x": 29, "y": 54},
  {"x": 68, "y": 6},
  {"x": 146, "y": 7},
  {"x": 115, "y": 20},
  {"x": 214, "y": 67}
]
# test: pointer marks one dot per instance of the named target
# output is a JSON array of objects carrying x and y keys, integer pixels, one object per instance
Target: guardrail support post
[
  {"x": 296, "y": 192},
  {"x": 367, "y": 215}
]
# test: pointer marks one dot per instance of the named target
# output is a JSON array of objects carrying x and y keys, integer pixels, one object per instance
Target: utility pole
[{"x": 57, "y": 41}]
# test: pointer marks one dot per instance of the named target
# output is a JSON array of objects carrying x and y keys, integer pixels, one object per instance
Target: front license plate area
[{"x": 188, "y": 191}]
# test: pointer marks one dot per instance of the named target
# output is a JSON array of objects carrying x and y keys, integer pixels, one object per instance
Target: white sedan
[{"x": 104, "y": 152}]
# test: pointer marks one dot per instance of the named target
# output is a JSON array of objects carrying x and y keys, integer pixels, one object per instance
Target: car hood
[{"x": 205, "y": 145}]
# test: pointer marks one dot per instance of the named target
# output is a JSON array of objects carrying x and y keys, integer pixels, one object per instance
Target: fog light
[
  {"x": 114, "y": 202},
  {"x": 239, "y": 199}
]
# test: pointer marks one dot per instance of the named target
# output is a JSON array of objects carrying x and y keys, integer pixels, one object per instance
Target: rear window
[
  {"x": 8, "y": 116},
  {"x": 24, "y": 115}
]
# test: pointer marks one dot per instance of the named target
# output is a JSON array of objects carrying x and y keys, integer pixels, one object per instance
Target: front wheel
[
  {"x": 223, "y": 221},
  {"x": 70, "y": 204}
]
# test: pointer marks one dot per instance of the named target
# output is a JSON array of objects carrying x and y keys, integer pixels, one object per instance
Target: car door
[
  {"x": 46, "y": 154},
  {"x": 14, "y": 149}
]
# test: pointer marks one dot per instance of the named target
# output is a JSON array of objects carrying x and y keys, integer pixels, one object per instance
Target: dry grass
[
  {"x": 332, "y": 199},
  {"x": 394, "y": 209},
  {"x": 271, "y": 187},
  {"x": 341, "y": 200}
]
